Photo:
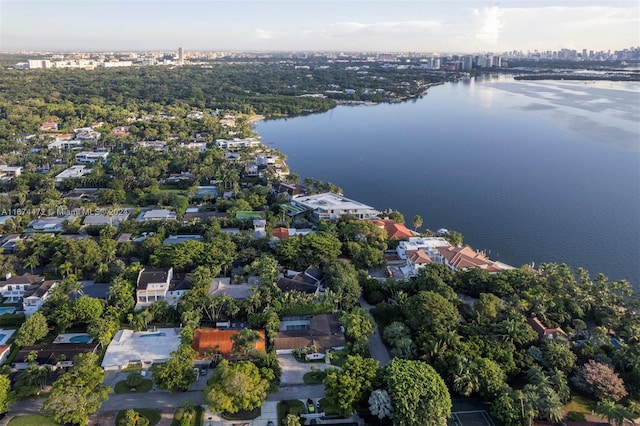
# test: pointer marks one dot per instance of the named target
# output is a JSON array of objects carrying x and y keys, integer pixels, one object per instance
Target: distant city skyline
[{"x": 296, "y": 25}]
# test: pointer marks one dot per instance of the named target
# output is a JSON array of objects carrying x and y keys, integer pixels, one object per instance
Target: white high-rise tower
[{"x": 180, "y": 56}]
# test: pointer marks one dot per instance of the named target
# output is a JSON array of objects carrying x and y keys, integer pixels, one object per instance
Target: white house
[
  {"x": 157, "y": 214},
  {"x": 12, "y": 290},
  {"x": 237, "y": 143},
  {"x": 428, "y": 245},
  {"x": 9, "y": 172},
  {"x": 152, "y": 285},
  {"x": 72, "y": 172},
  {"x": 90, "y": 157},
  {"x": 330, "y": 206},
  {"x": 36, "y": 294},
  {"x": 48, "y": 224}
]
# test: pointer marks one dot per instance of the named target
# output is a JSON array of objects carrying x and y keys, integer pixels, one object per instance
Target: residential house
[
  {"x": 152, "y": 285},
  {"x": 331, "y": 207},
  {"x": 417, "y": 259},
  {"x": 9, "y": 172},
  {"x": 178, "y": 286},
  {"x": 236, "y": 143},
  {"x": 82, "y": 194},
  {"x": 100, "y": 219},
  {"x": 155, "y": 145},
  {"x": 87, "y": 134},
  {"x": 141, "y": 349},
  {"x": 72, "y": 172},
  {"x": 179, "y": 177},
  {"x": 544, "y": 332},
  {"x": 120, "y": 131},
  {"x": 9, "y": 242},
  {"x": 461, "y": 258},
  {"x": 282, "y": 233},
  {"x": 222, "y": 286},
  {"x": 12, "y": 290},
  {"x": 90, "y": 157},
  {"x": 320, "y": 332},
  {"x": 259, "y": 228},
  {"x": 309, "y": 281},
  {"x": 206, "y": 191},
  {"x": 157, "y": 214},
  {"x": 4, "y": 219},
  {"x": 53, "y": 355},
  {"x": 36, "y": 294},
  {"x": 200, "y": 146},
  {"x": 395, "y": 231},
  {"x": 48, "y": 224},
  {"x": 214, "y": 343},
  {"x": 49, "y": 126},
  {"x": 177, "y": 239}
]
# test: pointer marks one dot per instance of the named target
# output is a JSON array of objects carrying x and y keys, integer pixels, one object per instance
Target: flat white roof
[
  {"x": 147, "y": 347},
  {"x": 329, "y": 200},
  {"x": 74, "y": 171}
]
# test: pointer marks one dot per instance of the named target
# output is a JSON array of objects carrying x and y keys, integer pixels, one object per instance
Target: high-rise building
[{"x": 180, "y": 56}]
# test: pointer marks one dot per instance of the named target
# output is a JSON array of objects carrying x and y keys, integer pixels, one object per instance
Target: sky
[{"x": 439, "y": 26}]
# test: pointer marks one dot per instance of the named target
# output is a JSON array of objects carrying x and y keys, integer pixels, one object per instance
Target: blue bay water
[{"x": 535, "y": 171}]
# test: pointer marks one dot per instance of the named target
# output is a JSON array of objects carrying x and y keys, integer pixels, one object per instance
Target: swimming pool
[
  {"x": 7, "y": 310},
  {"x": 81, "y": 339},
  {"x": 153, "y": 334}
]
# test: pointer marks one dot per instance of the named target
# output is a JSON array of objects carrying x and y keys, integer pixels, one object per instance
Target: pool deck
[
  {"x": 128, "y": 346},
  {"x": 6, "y": 335},
  {"x": 66, "y": 338}
]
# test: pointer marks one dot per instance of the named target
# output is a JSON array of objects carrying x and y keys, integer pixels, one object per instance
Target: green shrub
[
  {"x": 573, "y": 416},
  {"x": 134, "y": 379}
]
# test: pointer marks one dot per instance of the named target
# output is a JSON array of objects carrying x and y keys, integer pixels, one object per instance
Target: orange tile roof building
[
  {"x": 216, "y": 341},
  {"x": 466, "y": 258},
  {"x": 395, "y": 231}
]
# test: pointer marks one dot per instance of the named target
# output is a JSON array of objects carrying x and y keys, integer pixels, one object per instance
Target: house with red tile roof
[
  {"x": 458, "y": 258},
  {"x": 395, "y": 231},
  {"x": 282, "y": 233},
  {"x": 417, "y": 259},
  {"x": 217, "y": 343},
  {"x": 543, "y": 331}
]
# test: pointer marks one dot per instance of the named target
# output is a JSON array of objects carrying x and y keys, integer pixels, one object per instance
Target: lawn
[
  {"x": 31, "y": 421},
  {"x": 292, "y": 406},
  {"x": 314, "y": 377},
  {"x": 152, "y": 414},
  {"x": 242, "y": 414},
  {"x": 580, "y": 404},
  {"x": 145, "y": 386}
]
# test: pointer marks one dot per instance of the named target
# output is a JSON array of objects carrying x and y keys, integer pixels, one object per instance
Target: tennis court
[{"x": 471, "y": 418}]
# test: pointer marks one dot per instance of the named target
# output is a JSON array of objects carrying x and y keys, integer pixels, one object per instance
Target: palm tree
[
  {"x": 614, "y": 413},
  {"x": 465, "y": 379},
  {"x": 31, "y": 262},
  {"x": 66, "y": 268},
  {"x": 417, "y": 222}
]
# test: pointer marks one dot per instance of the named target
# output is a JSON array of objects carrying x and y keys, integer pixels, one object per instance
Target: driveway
[
  {"x": 378, "y": 350},
  {"x": 293, "y": 371}
]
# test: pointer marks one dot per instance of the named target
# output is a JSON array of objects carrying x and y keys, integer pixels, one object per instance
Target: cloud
[
  {"x": 490, "y": 24},
  {"x": 264, "y": 34},
  {"x": 383, "y": 28}
]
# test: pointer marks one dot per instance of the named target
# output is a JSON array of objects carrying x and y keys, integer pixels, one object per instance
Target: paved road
[
  {"x": 160, "y": 399},
  {"x": 378, "y": 350},
  {"x": 23, "y": 408}
]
